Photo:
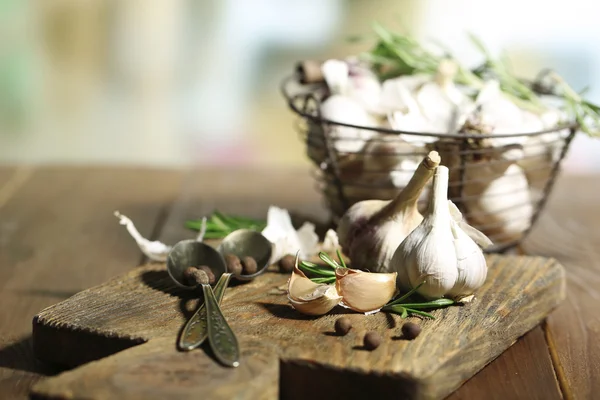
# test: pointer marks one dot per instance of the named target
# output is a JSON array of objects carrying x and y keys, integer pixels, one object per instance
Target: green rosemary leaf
[
  {"x": 339, "y": 254},
  {"x": 407, "y": 295},
  {"x": 322, "y": 272},
  {"x": 430, "y": 304},
  {"x": 323, "y": 280},
  {"x": 328, "y": 260},
  {"x": 421, "y": 313},
  {"x": 404, "y": 313}
]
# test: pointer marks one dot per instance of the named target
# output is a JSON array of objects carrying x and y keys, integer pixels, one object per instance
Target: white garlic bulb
[
  {"x": 345, "y": 106},
  {"x": 438, "y": 253},
  {"x": 371, "y": 230}
]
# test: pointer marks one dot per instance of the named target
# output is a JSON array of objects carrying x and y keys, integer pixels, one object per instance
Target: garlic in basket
[
  {"x": 308, "y": 297},
  {"x": 438, "y": 252},
  {"x": 341, "y": 107},
  {"x": 371, "y": 230}
]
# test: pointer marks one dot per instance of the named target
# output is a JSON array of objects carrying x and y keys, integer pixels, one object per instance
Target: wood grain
[
  {"x": 531, "y": 353},
  {"x": 57, "y": 237},
  {"x": 568, "y": 232},
  {"x": 143, "y": 305}
]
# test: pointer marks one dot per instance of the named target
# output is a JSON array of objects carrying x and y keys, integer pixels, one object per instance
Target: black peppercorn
[
  {"x": 286, "y": 264},
  {"x": 249, "y": 266},
  {"x": 372, "y": 340},
  {"x": 234, "y": 265},
  {"x": 410, "y": 330},
  {"x": 209, "y": 273},
  {"x": 343, "y": 326},
  {"x": 194, "y": 276}
]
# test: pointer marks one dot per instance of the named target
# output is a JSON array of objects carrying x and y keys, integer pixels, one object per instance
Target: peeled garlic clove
[
  {"x": 308, "y": 297},
  {"x": 365, "y": 291}
]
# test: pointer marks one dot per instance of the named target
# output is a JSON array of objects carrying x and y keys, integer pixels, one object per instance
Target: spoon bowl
[
  {"x": 248, "y": 243},
  {"x": 191, "y": 253}
]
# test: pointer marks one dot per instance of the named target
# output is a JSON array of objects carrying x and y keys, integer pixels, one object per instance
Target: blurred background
[{"x": 170, "y": 83}]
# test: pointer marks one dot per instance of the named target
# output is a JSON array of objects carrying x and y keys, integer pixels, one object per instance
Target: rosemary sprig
[
  {"x": 219, "y": 225},
  {"x": 404, "y": 305},
  {"x": 323, "y": 273},
  {"x": 396, "y": 54},
  {"x": 400, "y": 306}
]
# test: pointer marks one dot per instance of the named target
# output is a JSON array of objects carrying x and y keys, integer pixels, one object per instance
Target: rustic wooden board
[
  {"x": 58, "y": 237},
  {"x": 283, "y": 351}
]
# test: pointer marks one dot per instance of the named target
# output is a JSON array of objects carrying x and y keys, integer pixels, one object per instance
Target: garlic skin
[
  {"x": 364, "y": 291},
  {"x": 154, "y": 250},
  {"x": 308, "y": 297},
  {"x": 438, "y": 252},
  {"x": 371, "y": 230},
  {"x": 286, "y": 240}
]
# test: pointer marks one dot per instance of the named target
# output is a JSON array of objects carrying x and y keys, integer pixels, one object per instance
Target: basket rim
[{"x": 292, "y": 98}]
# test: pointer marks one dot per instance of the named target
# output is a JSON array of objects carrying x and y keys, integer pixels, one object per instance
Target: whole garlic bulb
[
  {"x": 345, "y": 106},
  {"x": 438, "y": 252},
  {"x": 371, "y": 230}
]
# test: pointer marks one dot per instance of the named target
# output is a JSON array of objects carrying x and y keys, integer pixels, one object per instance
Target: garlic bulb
[
  {"x": 308, "y": 297},
  {"x": 432, "y": 104},
  {"x": 343, "y": 107},
  {"x": 438, "y": 252},
  {"x": 371, "y": 230},
  {"x": 497, "y": 199},
  {"x": 364, "y": 291},
  {"x": 386, "y": 164}
]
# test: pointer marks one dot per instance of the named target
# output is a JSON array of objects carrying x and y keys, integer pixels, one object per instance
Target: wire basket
[{"x": 500, "y": 182}]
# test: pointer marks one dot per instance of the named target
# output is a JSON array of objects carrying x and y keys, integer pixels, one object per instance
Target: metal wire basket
[{"x": 500, "y": 182}]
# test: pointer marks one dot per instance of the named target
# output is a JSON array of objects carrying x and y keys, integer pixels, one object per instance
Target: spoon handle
[
  {"x": 195, "y": 331},
  {"x": 220, "y": 336}
]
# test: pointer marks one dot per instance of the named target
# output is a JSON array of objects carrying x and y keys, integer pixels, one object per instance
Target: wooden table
[{"x": 58, "y": 236}]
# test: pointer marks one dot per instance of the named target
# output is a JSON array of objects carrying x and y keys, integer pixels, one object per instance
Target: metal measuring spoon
[
  {"x": 248, "y": 243},
  {"x": 242, "y": 243},
  {"x": 191, "y": 253}
]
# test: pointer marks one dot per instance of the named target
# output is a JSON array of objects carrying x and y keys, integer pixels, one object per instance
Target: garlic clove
[
  {"x": 345, "y": 110},
  {"x": 479, "y": 237},
  {"x": 308, "y": 297},
  {"x": 433, "y": 261},
  {"x": 365, "y": 291},
  {"x": 471, "y": 264},
  {"x": 330, "y": 242},
  {"x": 335, "y": 73}
]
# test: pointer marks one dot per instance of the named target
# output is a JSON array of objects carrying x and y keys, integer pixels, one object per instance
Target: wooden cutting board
[{"x": 130, "y": 325}]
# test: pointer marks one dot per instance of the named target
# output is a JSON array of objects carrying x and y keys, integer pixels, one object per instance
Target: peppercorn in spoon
[{"x": 192, "y": 253}]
